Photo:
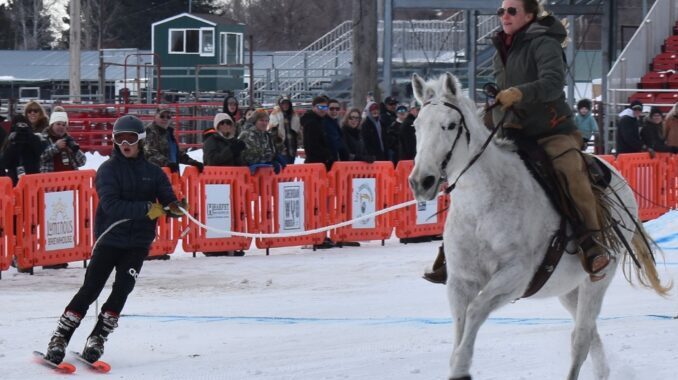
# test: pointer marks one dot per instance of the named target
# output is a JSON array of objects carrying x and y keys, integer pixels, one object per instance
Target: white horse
[{"x": 499, "y": 225}]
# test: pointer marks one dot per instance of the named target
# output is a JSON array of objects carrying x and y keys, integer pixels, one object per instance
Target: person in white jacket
[{"x": 285, "y": 129}]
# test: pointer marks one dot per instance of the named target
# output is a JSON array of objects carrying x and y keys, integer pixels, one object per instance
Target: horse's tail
[{"x": 647, "y": 272}]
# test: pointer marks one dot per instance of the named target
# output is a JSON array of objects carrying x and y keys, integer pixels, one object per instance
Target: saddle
[{"x": 539, "y": 165}]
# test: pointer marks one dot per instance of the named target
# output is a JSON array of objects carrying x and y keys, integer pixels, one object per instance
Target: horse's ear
[
  {"x": 421, "y": 92},
  {"x": 452, "y": 84}
]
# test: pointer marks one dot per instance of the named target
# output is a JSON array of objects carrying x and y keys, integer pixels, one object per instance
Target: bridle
[{"x": 462, "y": 124}]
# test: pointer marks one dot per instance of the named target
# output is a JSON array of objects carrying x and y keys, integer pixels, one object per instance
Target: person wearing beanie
[
  {"x": 161, "y": 146},
  {"x": 586, "y": 123},
  {"x": 285, "y": 129},
  {"x": 671, "y": 127},
  {"x": 21, "y": 152},
  {"x": 61, "y": 153},
  {"x": 652, "y": 133},
  {"x": 220, "y": 146},
  {"x": 628, "y": 130}
]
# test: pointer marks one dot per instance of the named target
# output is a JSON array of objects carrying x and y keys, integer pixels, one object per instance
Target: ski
[
  {"x": 98, "y": 366},
  {"x": 63, "y": 367}
]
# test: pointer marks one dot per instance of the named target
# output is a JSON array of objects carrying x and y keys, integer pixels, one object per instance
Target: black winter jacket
[
  {"x": 125, "y": 187},
  {"x": 315, "y": 142},
  {"x": 373, "y": 143},
  {"x": 628, "y": 135},
  {"x": 408, "y": 139},
  {"x": 220, "y": 151},
  {"x": 22, "y": 148},
  {"x": 353, "y": 140}
]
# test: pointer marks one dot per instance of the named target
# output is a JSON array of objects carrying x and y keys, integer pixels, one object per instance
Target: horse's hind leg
[
  {"x": 585, "y": 336},
  {"x": 502, "y": 288}
]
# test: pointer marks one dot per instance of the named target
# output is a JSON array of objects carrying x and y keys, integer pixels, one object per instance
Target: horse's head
[{"x": 442, "y": 132}]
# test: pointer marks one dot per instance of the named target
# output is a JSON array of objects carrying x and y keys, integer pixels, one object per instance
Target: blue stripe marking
[{"x": 376, "y": 321}]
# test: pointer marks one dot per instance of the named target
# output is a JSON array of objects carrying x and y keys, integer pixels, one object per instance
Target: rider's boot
[
  {"x": 56, "y": 349},
  {"x": 438, "y": 273},
  {"x": 594, "y": 257},
  {"x": 94, "y": 347}
]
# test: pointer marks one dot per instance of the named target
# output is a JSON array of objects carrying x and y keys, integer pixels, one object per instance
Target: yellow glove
[
  {"x": 173, "y": 208},
  {"x": 509, "y": 97},
  {"x": 155, "y": 211}
]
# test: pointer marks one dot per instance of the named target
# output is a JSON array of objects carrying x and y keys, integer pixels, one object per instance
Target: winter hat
[
  {"x": 390, "y": 100},
  {"x": 259, "y": 114},
  {"x": 636, "y": 105},
  {"x": 218, "y": 118},
  {"x": 284, "y": 98},
  {"x": 584, "y": 103},
  {"x": 373, "y": 106},
  {"x": 58, "y": 116},
  {"x": 20, "y": 121},
  {"x": 162, "y": 108},
  {"x": 655, "y": 111}
]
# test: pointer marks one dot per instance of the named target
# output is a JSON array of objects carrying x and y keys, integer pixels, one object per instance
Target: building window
[
  {"x": 191, "y": 41},
  {"x": 207, "y": 42},
  {"x": 231, "y": 49}
]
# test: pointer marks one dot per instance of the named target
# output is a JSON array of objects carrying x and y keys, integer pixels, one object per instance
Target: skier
[{"x": 132, "y": 193}]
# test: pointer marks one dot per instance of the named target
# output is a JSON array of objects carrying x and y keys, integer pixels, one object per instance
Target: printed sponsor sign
[
  {"x": 364, "y": 201},
  {"x": 218, "y": 209},
  {"x": 291, "y": 206},
  {"x": 426, "y": 212},
  {"x": 59, "y": 220}
]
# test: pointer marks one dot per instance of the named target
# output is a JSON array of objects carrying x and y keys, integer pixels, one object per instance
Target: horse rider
[{"x": 529, "y": 68}]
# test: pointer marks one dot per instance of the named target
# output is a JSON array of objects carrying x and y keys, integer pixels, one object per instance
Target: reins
[{"x": 448, "y": 156}]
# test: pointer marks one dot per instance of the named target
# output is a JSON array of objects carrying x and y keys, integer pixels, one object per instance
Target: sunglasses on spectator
[
  {"x": 166, "y": 117},
  {"x": 131, "y": 138},
  {"x": 225, "y": 122},
  {"x": 354, "y": 117},
  {"x": 512, "y": 11},
  {"x": 335, "y": 108},
  {"x": 322, "y": 107},
  {"x": 33, "y": 110}
]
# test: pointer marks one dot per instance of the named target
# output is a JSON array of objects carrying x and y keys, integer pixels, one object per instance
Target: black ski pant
[{"x": 127, "y": 263}]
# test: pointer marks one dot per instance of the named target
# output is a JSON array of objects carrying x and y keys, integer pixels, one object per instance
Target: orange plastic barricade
[
  {"x": 54, "y": 219},
  {"x": 427, "y": 219},
  {"x": 359, "y": 189},
  {"x": 647, "y": 177},
  {"x": 218, "y": 197},
  {"x": 294, "y": 200},
  {"x": 6, "y": 223},
  {"x": 168, "y": 229},
  {"x": 672, "y": 181}
]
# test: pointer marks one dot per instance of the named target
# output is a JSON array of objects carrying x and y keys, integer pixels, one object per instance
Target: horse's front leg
[
  {"x": 504, "y": 286},
  {"x": 460, "y": 293}
]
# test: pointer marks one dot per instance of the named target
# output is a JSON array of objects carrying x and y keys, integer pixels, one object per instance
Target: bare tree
[
  {"x": 32, "y": 23},
  {"x": 365, "y": 51}
]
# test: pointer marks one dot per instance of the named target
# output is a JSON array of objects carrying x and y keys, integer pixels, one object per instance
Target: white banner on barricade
[
  {"x": 218, "y": 209},
  {"x": 291, "y": 206},
  {"x": 363, "y": 194},
  {"x": 59, "y": 220}
]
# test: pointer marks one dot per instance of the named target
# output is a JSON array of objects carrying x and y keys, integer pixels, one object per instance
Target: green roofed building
[{"x": 199, "y": 52}]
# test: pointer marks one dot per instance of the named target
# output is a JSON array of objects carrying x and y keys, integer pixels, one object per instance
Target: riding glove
[
  {"x": 507, "y": 98},
  {"x": 155, "y": 211},
  {"x": 173, "y": 208}
]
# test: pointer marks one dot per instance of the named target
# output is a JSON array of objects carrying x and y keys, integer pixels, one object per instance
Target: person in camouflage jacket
[
  {"x": 161, "y": 147},
  {"x": 259, "y": 144}
]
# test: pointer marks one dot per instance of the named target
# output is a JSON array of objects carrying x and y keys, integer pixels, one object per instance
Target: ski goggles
[
  {"x": 131, "y": 138},
  {"x": 512, "y": 11}
]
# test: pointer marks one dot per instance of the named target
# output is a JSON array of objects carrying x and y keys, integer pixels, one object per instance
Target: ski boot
[
  {"x": 94, "y": 347},
  {"x": 56, "y": 349}
]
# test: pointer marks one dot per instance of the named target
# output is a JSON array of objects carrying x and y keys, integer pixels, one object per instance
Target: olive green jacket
[{"x": 535, "y": 65}]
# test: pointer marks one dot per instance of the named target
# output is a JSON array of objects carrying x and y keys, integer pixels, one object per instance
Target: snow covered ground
[{"x": 343, "y": 313}]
